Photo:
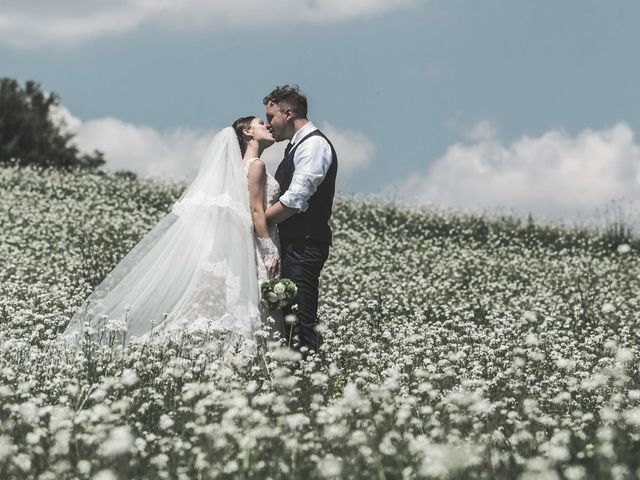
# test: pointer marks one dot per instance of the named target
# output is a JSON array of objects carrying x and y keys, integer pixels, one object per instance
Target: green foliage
[
  {"x": 618, "y": 223},
  {"x": 29, "y": 136}
]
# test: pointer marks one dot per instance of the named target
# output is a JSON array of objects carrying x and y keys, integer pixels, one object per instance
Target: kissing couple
[{"x": 200, "y": 268}]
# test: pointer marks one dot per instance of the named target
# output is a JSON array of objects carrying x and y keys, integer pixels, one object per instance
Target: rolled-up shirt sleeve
[{"x": 312, "y": 160}]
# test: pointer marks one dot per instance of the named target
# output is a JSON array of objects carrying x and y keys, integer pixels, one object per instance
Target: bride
[{"x": 200, "y": 267}]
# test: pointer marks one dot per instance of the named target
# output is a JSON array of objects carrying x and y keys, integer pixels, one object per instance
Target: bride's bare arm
[{"x": 256, "y": 180}]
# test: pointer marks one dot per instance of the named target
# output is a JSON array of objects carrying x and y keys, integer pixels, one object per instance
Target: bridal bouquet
[{"x": 277, "y": 293}]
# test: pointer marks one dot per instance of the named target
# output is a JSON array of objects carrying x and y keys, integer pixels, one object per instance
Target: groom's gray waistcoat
[{"x": 313, "y": 223}]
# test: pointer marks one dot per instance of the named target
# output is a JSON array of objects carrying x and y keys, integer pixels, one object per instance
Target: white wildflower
[
  {"x": 330, "y": 467},
  {"x": 6, "y": 447},
  {"x": 530, "y": 406},
  {"x": 335, "y": 431},
  {"x": 116, "y": 325},
  {"x": 608, "y": 308},
  {"x": 29, "y": 412},
  {"x": 633, "y": 395},
  {"x": 105, "y": 475},
  {"x": 23, "y": 462},
  {"x": 624, "y": 355},
  {"x": 632, "y": 417},
  {"x": 296, "y": 420},
  {"x": 565, "y": 363},
  {"x": 118, "y": 442},
  {"x": 129, "y": 377},
  {"x": 165, "y": 422},
  {"x": 84, "y": 467},
  {"x": 575, "y": 472},
  {"x": 624, "y": 248},
  {"x": 284, "y": 354}
]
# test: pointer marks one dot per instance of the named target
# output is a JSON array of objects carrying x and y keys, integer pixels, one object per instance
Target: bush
[{"x": 29, "y": 135}]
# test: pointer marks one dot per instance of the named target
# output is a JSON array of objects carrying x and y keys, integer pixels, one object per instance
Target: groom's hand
[{"x": 278, "y": 213}]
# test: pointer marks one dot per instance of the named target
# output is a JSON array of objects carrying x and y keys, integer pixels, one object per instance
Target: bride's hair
[{"x": 238, "y": 126}]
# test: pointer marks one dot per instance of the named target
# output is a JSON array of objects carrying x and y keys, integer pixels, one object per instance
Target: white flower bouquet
[{"x": 277, "y": 293}]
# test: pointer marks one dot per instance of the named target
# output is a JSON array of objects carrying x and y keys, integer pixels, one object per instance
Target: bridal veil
[{"x": 195, "y": 269}]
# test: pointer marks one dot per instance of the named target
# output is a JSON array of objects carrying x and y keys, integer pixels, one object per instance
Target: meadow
[{"x": 457, "y": 346}]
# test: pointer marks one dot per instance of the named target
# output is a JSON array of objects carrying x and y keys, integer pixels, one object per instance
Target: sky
[{"x": 496, "y": 104}]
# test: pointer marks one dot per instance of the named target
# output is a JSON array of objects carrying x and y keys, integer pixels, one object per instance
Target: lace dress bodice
[
  {"x": 271, "y": 196},
  {"x": 271, "y": 192}
]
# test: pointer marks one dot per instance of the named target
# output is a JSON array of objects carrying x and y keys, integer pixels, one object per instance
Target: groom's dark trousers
[{"x": 302, "y": 262}]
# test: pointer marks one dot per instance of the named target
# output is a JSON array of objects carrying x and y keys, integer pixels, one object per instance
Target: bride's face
[{"x": 261, "y": 133}]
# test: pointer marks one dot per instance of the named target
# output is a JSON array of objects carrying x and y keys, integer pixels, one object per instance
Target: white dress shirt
[{"x": 311, "y": 162}]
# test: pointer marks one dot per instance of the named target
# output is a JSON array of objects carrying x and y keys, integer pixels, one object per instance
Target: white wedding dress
[{"x": 195, "y": 271}]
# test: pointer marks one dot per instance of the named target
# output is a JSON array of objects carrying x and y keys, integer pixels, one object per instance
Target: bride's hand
[
  {"x": 270, "y": 255},
  {"x": 273, "y": 271}
]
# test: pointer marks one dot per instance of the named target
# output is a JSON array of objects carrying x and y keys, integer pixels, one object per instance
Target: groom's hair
[{"x": 291, "y": 96}]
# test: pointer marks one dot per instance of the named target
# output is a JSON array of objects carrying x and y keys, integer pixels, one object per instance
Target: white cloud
[
  {"x": 71, "y": 22},
  {"x": 554, "y": 175},
  {"x": 176, "y": 154},
  {"x": 355, "y": 152}
]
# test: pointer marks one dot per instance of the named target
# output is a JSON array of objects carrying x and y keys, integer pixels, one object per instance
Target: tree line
[{"x": 30, "y": 135}]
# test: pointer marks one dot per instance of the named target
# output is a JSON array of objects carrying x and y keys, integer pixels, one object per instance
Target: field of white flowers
[{"x": 456, "y": 347}]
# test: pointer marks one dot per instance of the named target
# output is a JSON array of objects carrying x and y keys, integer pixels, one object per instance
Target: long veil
[{"x": 195, "y": 269}]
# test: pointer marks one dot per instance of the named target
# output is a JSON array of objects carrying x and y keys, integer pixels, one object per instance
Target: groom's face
[{"x": 277, "y": 121}]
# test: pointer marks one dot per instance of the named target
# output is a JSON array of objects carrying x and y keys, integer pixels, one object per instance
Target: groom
[{"x": 307, "y": 178}]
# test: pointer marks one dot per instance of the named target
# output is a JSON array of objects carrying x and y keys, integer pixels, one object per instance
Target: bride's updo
[{"x": 239, "y": 125}]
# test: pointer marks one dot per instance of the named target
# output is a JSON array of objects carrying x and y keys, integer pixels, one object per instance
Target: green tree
[{"x": 28, "y": 134}]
